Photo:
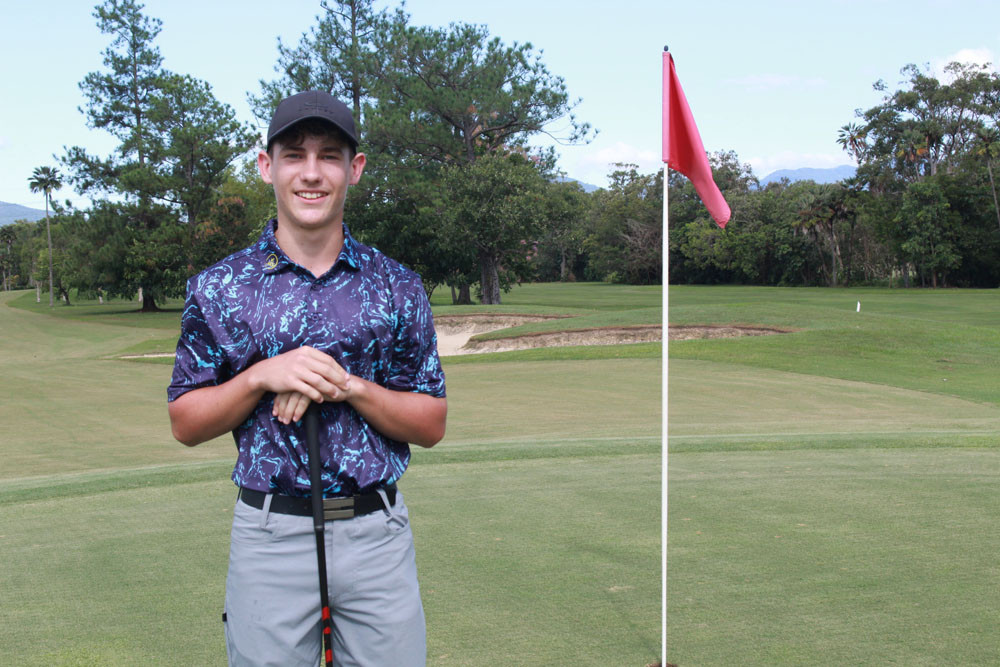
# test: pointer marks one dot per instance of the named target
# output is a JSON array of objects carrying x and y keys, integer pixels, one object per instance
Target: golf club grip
[{"x": 315, "y": 466}]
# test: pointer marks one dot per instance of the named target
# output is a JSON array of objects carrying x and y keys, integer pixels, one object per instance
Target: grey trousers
[{"x": 272, "y": 590}]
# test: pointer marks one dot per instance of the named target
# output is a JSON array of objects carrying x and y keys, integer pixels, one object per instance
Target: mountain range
[
  {"x": 830, "y": 175},
  {"x": 11, "y": 212}
]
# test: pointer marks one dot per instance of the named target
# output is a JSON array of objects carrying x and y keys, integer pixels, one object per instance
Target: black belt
[{"x": 333, "y": 508}]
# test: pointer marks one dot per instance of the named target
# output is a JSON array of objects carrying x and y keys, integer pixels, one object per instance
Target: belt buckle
[{"x": 338, "y": 508}]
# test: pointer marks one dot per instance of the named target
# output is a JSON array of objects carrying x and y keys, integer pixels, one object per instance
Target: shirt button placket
[{"x": 313, "y": 315}]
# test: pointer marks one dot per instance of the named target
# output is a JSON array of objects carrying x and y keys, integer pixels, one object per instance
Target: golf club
[{"x": 316, "y": 490}]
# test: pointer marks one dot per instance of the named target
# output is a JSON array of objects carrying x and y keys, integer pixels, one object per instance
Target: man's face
[{"x": 310, "y": 178}]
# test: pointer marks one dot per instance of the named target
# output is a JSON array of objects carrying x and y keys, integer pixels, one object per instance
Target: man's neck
[{"x": 315, "y": 250}]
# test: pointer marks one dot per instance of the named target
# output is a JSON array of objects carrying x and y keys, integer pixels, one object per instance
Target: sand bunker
[{"x": 455, "y": 332}]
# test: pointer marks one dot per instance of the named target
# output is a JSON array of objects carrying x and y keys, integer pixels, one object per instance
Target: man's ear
[
  {"x": 357, "y": 168},
  {"x": 264, "y": 166}
]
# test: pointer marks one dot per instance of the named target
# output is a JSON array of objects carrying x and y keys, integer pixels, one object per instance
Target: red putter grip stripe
[
  {"x": 326, "y": 613},
  {"x": 329, "y": 656}
]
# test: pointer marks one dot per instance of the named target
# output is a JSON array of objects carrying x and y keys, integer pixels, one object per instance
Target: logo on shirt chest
[{"x": 271, "y": 262}]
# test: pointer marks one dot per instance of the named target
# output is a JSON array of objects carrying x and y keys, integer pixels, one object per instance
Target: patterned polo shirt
[{"x": 368, "y": 312}]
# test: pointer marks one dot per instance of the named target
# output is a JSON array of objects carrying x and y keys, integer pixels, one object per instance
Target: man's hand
[
  {"x": 290, "y": 406},
  {"x": 209, "y": 412},
  {"x": 400, "y": 415},
  {"x": 305, "y": 371}
]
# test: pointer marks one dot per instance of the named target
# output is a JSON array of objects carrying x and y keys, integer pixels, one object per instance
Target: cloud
[
  {"x": 593, "y": 166},
  {"x": 767, "y": 164},
  {"x": 983, "y": 56},
  {"x": 766, "y": 82}
]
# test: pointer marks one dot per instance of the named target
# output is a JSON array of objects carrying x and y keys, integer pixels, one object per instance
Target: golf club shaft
[{"x": 316, "y": 490}]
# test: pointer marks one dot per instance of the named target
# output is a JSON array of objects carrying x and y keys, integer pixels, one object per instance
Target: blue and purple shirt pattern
[{"x": 368, "y": 311}]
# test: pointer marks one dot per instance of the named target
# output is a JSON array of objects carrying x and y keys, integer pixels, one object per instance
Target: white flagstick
[{"x": 663, "y": 409}]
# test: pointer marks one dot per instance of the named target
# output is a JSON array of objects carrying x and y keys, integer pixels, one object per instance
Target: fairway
[
  {"x": 115, "y": 538},
  {"x": 834, "y": 491}
]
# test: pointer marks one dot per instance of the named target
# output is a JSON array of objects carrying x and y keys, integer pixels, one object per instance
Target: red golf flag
[{"x": 682, "y": 147}]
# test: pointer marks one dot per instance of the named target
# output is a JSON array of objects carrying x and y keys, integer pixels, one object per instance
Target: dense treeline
[
  {"x": 452, "y": 188},
  {"x": 922, "y": 209}
]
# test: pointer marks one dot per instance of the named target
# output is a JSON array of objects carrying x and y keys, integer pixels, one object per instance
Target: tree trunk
[
  {"x": 148, "y": 305},
  {"x": 48, "y": 231},
  {"x": 562, "y": 265},
  {"x": 996, "y": 207},
  {"x": 463, "y": 297},
  {"x": 38, "y": 292},
  {"x": 489, "y": 281}
]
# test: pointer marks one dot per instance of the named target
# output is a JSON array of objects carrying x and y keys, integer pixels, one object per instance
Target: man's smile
[{"x": 308, "y": 194}]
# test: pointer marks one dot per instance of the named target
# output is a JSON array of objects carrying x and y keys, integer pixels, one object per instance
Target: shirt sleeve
[
  {"x": 415, "y": 363},
  {"x": 200, "y": 361}
]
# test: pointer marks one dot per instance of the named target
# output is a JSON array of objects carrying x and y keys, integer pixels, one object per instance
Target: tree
[
  {"x": 928, "y": 226},
  {"x": 194, "y": 140},
  {"x": 120, "y": 100},
  {"x": 449, "y": 96},
  {"x": 632, "y": 202},
  {"x": 335, "y": 56},
  {"x": 7, "y": 238},
  {"x": 175, "y": 143},
  {"x": 562, "y": 243},
  {"x": 851, "y": 138},
  {"x": 921, "y": 128},
  {"x": 988, "y": 146},
  {"x": 496, "y": 207},
  {"x": 452, "y": 94},
  {"x": 45, "y": 180}
]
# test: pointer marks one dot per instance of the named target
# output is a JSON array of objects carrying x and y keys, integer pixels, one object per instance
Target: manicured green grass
[
  {"x": 729, "y": 407},
  {"x": 114, "y": 538},
  {"x": 943, "y": 342},
  {"x": 112, "y": 311},
  {"x": 832, "y": 492},
  {"x": 573, "y": 352},
  {"x": 843, "y": 557}
]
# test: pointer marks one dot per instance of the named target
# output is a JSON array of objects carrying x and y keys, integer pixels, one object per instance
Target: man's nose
[{"x": 310, "y": 168}]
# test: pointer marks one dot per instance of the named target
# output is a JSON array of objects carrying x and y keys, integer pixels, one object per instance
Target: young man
[{"x": 309, "y": 315}]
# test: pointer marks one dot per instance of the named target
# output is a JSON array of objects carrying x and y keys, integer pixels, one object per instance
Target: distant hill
[
  {"x": 831, "y": 175},
  {"x": 11, "y": 212},
  {"x": 587, "y": 187}
]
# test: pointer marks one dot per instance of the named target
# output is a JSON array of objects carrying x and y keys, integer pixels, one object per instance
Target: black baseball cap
[{"x": 312, "y": 104}]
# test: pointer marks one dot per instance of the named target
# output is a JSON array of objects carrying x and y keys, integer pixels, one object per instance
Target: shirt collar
[{"x": 273, "y": 259}]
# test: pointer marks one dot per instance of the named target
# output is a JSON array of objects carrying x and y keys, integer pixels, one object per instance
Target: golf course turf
[
  {"x": 114, "y": 537},
  {"x": 834, "y": 492}
]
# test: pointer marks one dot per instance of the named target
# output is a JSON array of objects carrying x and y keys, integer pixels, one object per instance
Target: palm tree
[
  {"x": 7, "y": 238},
  {"x": 46, "y": 179},
  {"x": 852, "y": 137}
]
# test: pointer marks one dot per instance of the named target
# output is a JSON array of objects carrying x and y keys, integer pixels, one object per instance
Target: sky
[{"x": 772, "y": 80}]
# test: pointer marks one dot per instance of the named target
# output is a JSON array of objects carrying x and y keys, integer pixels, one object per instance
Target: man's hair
[{"x": 313, "y": 127}]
